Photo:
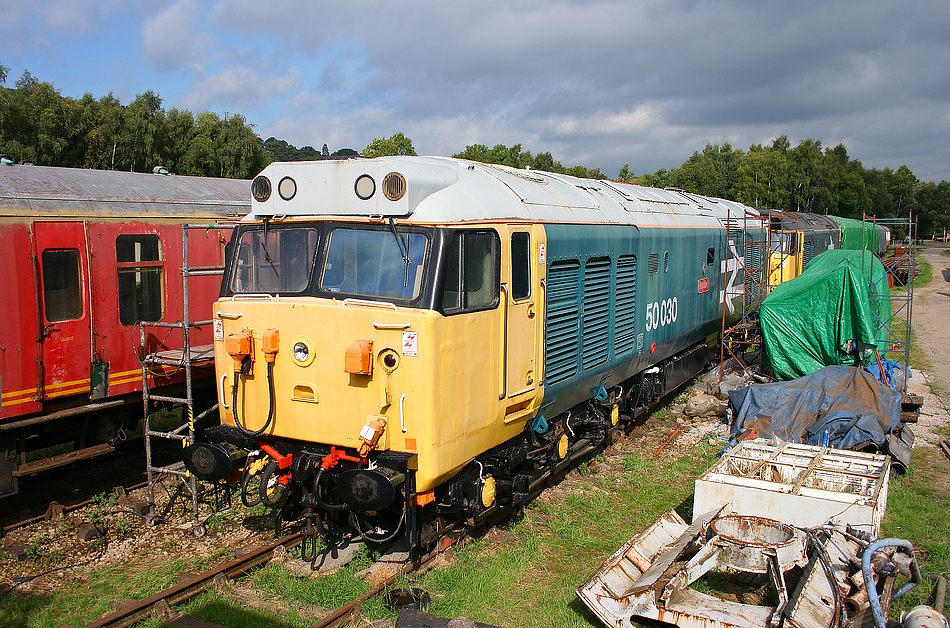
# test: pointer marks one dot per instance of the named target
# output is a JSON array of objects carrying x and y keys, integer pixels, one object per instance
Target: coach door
[
  {"x": 520, "y": 301},
  {"x": 64, "y": 315}
]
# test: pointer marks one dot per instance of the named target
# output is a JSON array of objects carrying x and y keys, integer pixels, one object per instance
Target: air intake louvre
[
  {"x": 394, "y": 186},
  {"x": 653, "y": 262},
  {"x": 626, "y": 304},
  {"x": 596, "y": 311},
  {"x": 562, "y": 327}
]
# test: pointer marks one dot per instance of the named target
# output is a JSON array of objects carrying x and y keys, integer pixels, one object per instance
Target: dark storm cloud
[{"x": 705, "y": 71}]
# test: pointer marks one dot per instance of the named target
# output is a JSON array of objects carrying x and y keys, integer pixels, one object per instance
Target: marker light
[
  {"x": 287, "y": 188},
  {"x": 301, "y": 352},
  {"x": 365, "y": 187}
]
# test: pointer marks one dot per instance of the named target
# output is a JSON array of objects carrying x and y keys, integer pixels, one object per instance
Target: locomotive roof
[
  {"x": 797, "y": 221},
  {"x": 36, "y": 191},
  {"x": 444, "y": 189}
]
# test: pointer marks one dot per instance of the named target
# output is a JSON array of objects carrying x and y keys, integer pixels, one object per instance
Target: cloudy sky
[{"x": 597, "y": 83}]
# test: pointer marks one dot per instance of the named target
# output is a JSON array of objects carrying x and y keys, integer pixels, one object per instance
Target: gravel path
[{"x": 931, "y": 324}]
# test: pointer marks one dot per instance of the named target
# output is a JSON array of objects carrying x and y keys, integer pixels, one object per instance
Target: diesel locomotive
[
  {"x": 405, "y": 342},
  {"x": 799, "y": 237}
]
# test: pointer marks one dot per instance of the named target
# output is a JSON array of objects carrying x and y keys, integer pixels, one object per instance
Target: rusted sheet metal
[
  {"x": 37, "y": 191},
  {"x": 737, "y": 534},
  {"x": 650, "y": 576}
]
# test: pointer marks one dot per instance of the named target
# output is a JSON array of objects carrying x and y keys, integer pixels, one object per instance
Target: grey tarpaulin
[{"x": 841, "y": 406}]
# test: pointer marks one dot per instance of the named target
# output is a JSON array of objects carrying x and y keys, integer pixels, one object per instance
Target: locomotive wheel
[{"x": 271, "y": 491}]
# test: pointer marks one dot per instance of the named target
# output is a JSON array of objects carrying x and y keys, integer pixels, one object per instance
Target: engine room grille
[
  {"x": 653, "y": 262},
  {"x": 563, "y": 320},
  {"x": 596, "y": 311},
  {"x": 626, "y": 304}
]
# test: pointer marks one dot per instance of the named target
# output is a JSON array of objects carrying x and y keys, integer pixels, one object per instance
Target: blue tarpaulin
[{"x": 839, "y": 406}]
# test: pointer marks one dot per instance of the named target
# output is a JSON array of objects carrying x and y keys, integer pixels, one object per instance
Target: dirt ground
[{"x": 930, "y": 316}]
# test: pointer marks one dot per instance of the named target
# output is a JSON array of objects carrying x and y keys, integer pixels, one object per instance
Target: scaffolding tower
[
  {"x": 187, "y": 359},
  {"x": 901, "y": 301},
  {"x": 752, "y": 259}
]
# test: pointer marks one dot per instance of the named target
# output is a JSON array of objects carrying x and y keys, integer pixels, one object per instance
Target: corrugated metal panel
[
  {"x": 562, "y": 329},
  {"x": 596, "y": 311},
  {"x": 626, "y": 304},
  {"x": 37, "y": 191}
]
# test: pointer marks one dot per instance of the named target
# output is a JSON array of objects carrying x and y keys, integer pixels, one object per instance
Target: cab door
[
  {"x": 520, "y": 300},
  {"x": 64, "y": 306}
]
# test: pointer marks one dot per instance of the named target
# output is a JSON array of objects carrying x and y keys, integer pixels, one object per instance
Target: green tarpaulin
[{"x": 810, "y": 322}]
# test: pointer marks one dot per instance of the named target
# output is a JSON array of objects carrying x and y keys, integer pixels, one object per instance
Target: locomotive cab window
[
  {"x": 710, "y": 256},
  {"x": 140, "y": 278},
  {"x": 520, "y": 265},
  {"x": 275, "y": 261},
  {"x": 62, "y": 285},
  {"x": 375, "y": 263},
  {"x": 471, "y": 272}
]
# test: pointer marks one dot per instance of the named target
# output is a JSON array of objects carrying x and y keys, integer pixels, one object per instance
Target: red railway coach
[{"x": 85, "y": 255}]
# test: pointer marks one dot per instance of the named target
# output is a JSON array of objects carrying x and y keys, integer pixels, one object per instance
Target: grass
[
  {"x": 918, "y": 510},
  {"x": 522, "y": 575}
]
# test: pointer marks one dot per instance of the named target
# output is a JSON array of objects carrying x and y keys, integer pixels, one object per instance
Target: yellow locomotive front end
[{"x": 363, "y": 361}]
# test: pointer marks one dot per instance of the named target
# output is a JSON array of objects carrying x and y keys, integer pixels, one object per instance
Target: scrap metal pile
[{"x": 744, "y": 571}]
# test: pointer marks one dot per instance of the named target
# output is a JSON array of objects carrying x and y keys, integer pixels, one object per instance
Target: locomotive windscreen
[
  {"x": 374, "y": 263},
  {"x": 279, "y": 262}
]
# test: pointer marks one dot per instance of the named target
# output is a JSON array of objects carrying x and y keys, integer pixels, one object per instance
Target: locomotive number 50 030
[{"x": 661, "y": 313}]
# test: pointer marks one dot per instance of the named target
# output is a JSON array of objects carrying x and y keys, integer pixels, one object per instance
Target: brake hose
[{"x": 270, "y": 410}]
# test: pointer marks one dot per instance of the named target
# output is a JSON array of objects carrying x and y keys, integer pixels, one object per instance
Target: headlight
[
  {"x": 260, "y": 188},
  {"x": 301, "y": 352}
]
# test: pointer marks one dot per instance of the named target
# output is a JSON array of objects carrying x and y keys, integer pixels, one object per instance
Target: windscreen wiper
[
  {"x": 267, "y": 257},
  {"x": 404, "y": 252}
]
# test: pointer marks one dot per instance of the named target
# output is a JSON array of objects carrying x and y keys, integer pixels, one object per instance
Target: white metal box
[{"x": 800, "y": 485}]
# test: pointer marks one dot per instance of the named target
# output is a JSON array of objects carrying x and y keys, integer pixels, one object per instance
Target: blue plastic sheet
[{"x": 838, "y": 406}]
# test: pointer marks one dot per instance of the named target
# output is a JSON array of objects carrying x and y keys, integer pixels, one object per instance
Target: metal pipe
[{"x": 873, "y": 599}]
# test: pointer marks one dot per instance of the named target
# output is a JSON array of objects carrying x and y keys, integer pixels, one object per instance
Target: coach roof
[{"x": 41, "y": 191}]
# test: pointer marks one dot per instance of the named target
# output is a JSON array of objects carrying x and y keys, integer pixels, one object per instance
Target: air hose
[{"x": 270, "y": 410}]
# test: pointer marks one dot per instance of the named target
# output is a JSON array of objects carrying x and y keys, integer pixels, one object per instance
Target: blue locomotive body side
[{"x": 622, "y": 298}]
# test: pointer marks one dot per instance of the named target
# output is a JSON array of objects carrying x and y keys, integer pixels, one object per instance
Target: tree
[
  {"x": 762, "y": 178},
  {"x": 714, "y": 172},
  {"x": 398, "y": 144}
]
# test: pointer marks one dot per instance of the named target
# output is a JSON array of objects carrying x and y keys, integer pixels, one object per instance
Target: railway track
[
  {"x": 162, "y": 604},
  {"x": 52, "y": 493}
]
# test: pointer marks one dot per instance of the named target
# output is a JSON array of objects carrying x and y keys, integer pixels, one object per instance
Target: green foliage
[
  {"x": 38, "y": 125},
  {"x": 280, "y": 150},
  {"x": 515, "y": 157},
  {"x": 398, "y": 144}
]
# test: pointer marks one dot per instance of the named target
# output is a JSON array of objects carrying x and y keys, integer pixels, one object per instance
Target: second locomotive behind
[{"x": 404, "y": 339}]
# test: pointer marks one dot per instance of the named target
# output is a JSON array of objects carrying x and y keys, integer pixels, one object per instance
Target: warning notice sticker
[{"x": 410, "y": 343}]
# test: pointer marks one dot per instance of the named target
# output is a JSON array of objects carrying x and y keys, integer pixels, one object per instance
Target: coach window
[
  {"x": 520, "y": 265},
  {"x": 471, "y": 263},
  {"x": 62, "y": 286},
  {"x": 141, "y": 275}
]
